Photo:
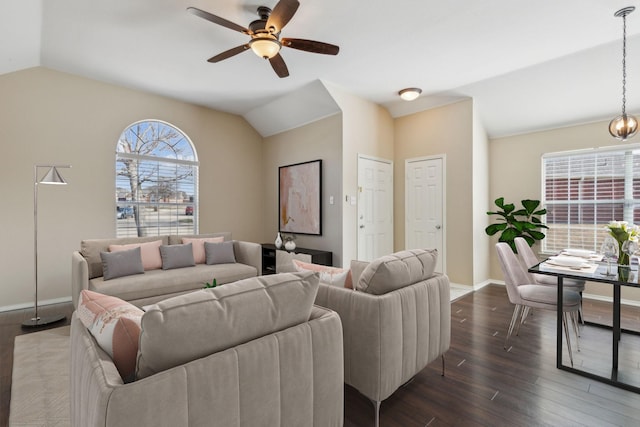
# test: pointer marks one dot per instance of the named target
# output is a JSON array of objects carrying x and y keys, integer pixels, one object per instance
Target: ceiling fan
[{"x": 265, "y": 35}]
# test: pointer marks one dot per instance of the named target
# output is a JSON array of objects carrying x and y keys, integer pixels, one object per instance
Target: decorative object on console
[
  {"x": 51, "y": 177},
  {"x": 278, "y": 241},
  {"x": 624, "y": 126},
  {"x": 290, "y": 242},
  {"x": 299, "y": 199}
]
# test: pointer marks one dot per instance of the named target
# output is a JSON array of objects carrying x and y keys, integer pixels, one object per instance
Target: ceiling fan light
[
  {"x": 623, "y": 127},
  {"x": 409, "y": 94},
  {"x": 265, "y": 47}
]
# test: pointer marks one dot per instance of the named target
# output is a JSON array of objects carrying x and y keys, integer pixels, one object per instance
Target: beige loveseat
[
  {"x": 156, "y": 285},
  {"x": 250, "y": 353},
  {"x": 395, "y": 323}
]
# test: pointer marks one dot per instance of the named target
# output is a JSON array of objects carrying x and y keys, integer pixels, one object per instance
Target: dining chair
[
  {"x": 524, "y": 293},
  {"x": 529, "y": 259}
]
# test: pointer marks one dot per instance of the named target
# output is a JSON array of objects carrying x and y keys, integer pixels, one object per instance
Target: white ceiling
[{"x": 527, "y": 64}]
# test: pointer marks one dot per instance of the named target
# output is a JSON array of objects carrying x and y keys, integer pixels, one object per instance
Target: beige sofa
[
  {"x": 156, "y": 285},
  {"x": 251, "y": 353},
  {"x": 395, "y": 324}
]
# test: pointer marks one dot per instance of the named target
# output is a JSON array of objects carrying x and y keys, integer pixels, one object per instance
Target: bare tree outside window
[{"x": 156, "y": 181}]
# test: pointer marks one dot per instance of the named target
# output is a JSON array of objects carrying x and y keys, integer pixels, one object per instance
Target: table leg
[
  {"x": 616, "y": 325},
  {"x": 559, "y": 324}
]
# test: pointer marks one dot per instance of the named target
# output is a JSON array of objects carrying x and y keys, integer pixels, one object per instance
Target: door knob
[
  {"x": 438, "y": 227},
  {"x": 362, "y": 226}
]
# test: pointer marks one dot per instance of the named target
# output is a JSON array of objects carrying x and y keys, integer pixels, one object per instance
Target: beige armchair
[{"x": 397, "y": 323}]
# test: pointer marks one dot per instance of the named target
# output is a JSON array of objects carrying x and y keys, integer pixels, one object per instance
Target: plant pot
[{"x": 289, "y": 245}]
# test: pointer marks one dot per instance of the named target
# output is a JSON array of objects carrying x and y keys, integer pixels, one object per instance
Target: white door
[
  {"x": 375, "y": 208},
  {"x": 424, "y": 206}
]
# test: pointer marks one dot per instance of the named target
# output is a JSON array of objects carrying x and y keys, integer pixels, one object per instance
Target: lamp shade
[
  {"x": 265, "y": 47},
  {"x": 53, "y": 177}
]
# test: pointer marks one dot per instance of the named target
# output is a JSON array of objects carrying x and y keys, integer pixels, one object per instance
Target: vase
[
  {"x": 623, "y": 273},
  {"x": 289, "y": 245},
  {"x": 278, "y": 241}
]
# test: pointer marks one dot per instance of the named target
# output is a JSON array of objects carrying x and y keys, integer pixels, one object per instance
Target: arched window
[{"x": 156, "y": 181}]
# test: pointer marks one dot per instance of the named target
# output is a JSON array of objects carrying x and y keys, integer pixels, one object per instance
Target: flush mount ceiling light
[
  {"x": 624, "y": 126},
  {"x": 410, "y": 93}
]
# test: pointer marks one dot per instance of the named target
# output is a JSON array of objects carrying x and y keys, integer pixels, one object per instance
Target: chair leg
[
  {"x": 567, "y": 336},
  {"x": 574, "y": 321},
  {"x": 514, "y": 319},
  {"x": 376, "y": 408},
  {"x": 525, "y": 314},
  {"x": 442, "y": 365}
]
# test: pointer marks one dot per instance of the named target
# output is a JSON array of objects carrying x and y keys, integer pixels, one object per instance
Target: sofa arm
[
  {"x": 391, "y": 337},
  {"x": 79, "y": 276},
  {"x": 248, "y": 253}
]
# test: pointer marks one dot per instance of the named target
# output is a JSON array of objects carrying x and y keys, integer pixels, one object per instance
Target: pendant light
[{"x": 624, "y": 126}]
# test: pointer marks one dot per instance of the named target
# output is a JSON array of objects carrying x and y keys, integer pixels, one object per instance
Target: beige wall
[
  {"x": 515, "y": 173},
  {"x": 367, "y": 129},
  {"x": 480, "y": 196},
  {"x": 318, "y": 140},
  {"x": 52, "y": 117},
  {"x": 446, "y": 130}
]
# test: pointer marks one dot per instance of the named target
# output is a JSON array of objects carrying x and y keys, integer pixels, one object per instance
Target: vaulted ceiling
[{"x": 528, "y": 65}]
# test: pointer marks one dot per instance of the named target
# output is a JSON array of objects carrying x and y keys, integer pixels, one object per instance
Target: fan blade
[
  {"x": 217, "y": 20},
  {"x": 279, "y": 66},
  {"x": 228, "y": 53},
  {"x": 281, "y": 15},
  {"x": 311, "y": 46}
]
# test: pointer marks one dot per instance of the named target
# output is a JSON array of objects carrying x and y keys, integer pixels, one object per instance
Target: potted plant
[{"x": 524, "y": 222}]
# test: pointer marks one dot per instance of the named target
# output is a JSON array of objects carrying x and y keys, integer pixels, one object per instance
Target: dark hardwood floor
[{"x": 484, "y": 385}]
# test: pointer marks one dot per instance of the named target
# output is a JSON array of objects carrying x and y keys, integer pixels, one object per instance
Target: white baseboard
[{"x": 31, "y": 305}]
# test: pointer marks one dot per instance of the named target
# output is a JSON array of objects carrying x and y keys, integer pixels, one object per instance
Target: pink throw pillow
[
  {"x": 115, "y": 324},
  {"x": 149, "y": 251},
  {"x": 197, "y": 243},
  {"x": 331, "y": 275}
]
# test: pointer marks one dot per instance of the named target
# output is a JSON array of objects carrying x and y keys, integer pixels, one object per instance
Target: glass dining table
[{"x": 619, "y": 276}]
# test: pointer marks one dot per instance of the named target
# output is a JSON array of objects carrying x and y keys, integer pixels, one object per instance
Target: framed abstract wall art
[{"x": 300, "y": 195}]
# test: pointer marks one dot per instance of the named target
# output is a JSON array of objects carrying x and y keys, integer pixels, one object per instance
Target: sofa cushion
[
  {"x": 90, "y": 249},
  {"x": 122, "y": 263},
  {"x": 150, "y": 251},
  {"x": 176, "y": 239},
  {"x": 219, "y": 253},
  {"x": 198, "y": 246},
  {"x": 397, "y": 270},
  {"x": 115, "y": 324},
  {"x": 177, "y": 256},
  {"x": 333, "y": 276},
  {"x": 163, "y": 282},
  {"x": 191, "y": 326}
]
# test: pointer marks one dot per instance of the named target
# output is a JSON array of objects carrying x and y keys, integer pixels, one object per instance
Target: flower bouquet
[{"x": 627, "y": 237}]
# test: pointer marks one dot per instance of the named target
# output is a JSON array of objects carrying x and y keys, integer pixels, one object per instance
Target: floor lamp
[{"x": 51, "y": 177}]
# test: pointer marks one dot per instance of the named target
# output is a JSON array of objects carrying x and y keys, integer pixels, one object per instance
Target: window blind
[
  {"x": 583, "y": 191},
  {"x": 156, "y": 182}
]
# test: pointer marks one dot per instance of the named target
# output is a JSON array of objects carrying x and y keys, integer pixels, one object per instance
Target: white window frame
[
  {"x": 588, "y": 233},
  {"x": 143, "y": 223}
]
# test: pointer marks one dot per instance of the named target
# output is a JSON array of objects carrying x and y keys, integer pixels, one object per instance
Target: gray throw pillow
[
  {"x": 219, "y": 253},
  {"x": 177, "y": 256},
  {"x": 121, "y": 263}
]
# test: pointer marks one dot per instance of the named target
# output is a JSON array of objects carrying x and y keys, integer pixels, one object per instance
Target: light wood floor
[{"x": 484, "y": 385}]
